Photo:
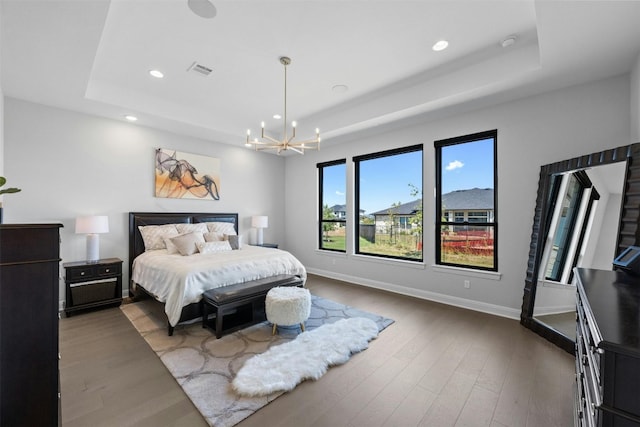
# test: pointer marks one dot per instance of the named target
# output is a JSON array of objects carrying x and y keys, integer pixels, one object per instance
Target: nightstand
[
  {"x": 91, "y": 285},
  {"x": 267, "y": 245}
]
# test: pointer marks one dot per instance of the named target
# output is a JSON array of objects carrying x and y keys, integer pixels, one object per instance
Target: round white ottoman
[{"x": 287, "y": 305}]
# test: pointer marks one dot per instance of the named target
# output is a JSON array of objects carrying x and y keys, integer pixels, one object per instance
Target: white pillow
[
  {"x": 210, "y": 247},
  {"x": 153, "y": 235},
  {"x": 190, "y": 228},
  {"x": 187, "y": 243},
  {"x": 213, "y": 236},
  {"x": 221, "y": 227},
  {"x": 171, "y": 248}
]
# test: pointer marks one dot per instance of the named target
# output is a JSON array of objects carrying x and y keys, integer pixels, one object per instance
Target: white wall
[
  {"x": 635, "y": 101},
  {"x": 531, "y": 132},
  {"x": 71, "y": 164}
]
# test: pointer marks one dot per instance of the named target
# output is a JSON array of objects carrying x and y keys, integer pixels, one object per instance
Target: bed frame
[{"x": 136, "y": 247}]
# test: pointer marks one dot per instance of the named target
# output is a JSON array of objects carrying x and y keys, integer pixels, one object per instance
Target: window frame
[
  {"x": 573, "y": 241},
  {"x": 321, "y": 220},
  {"x": 439, "y": 222},
  {"x": 356, "y": 167}
]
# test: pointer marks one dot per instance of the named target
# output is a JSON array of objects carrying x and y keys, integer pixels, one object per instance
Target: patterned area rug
[{"x": 205, "y": 366}]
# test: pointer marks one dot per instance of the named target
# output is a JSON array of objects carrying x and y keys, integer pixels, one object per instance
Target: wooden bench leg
[
  {"x": 219, "y": 316},
  {"x": 169, "y": 329}
]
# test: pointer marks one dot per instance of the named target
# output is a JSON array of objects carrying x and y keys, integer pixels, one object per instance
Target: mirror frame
[{"x": 628, "y": 230}]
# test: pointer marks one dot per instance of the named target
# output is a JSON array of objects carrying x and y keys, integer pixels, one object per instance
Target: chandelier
[{"x": 286, "y": 143}]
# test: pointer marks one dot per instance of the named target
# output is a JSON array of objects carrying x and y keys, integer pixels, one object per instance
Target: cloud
[
  {"x": 456, "y": 164},
  {"x": 339, "y": 193}
]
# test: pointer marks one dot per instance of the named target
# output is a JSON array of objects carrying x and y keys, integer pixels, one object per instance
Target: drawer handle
[
  {"x": 82, "y": 273},
  {"x": 107, "y": 270}
]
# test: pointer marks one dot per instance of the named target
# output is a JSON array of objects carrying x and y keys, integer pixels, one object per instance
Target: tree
[
  {"x": 416, "y": 220},
  {"x": 391, "y": 212},
  {"x": 327, "y": 213}
]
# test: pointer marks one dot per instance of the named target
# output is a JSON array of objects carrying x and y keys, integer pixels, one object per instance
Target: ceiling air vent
[{"x": 200, "y": 69}]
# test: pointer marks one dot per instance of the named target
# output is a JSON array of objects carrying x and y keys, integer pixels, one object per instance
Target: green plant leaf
[
  {"x": 3, "y": 181},
  {"x": 9, "y": 190}
]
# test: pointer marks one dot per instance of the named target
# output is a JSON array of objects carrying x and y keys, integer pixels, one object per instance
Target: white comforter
[{"x": 180, "y": 280}]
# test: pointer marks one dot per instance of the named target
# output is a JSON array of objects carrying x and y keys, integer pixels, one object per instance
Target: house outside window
[
  {"x": 332, "y": 179},
  {"x": 466, "y": 224},
  {"x": 388, "y": 196}
]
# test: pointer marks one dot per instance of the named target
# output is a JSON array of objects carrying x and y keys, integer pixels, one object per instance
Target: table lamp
[
  {"x": 259, "y": 222},
  {"x": 92, "y": 226}
]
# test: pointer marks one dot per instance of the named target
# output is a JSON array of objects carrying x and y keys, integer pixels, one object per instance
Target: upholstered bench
[{"x": 242, "y": 304}]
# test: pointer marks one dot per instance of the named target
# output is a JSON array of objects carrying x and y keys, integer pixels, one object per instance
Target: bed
[{"x": 178, "y": 281}]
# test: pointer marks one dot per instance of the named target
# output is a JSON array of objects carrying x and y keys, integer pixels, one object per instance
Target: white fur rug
[{"x": 283, "y": 367}]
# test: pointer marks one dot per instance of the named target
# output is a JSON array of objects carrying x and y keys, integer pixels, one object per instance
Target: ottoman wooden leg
[
  {"x": 302, "y": 326},
  {"x": 273, "y": 330}
]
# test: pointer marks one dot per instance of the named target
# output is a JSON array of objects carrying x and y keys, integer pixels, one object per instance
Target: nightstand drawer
[
  {"x": 83, "y": 273},
  {"x": 109, "y": 270}
]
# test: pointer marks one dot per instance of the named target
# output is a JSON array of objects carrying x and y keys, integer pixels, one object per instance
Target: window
[
  {"x": 466, "y": 227},
  {"x": 388, "y": 195},
  {"x": 477, "y": 216},
  {"x": 333, "y": 205},
  {"x": 569, "y": 216}
]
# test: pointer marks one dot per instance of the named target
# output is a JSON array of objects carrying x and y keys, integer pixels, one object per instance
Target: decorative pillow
[
  {"x": 171, "y": 248},
  {"x": 221, "y": 227},
  {"x": 190, "y": 228},
  {"x": 210, "y": 247},
  {"x": 213, "y": 236},
  {"x": 234, "y": 240},
  {"x": 153, "y": 235},
  {"x": 186, "y": 243}
]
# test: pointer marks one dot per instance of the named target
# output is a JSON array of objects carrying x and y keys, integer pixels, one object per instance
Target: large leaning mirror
[{"x": 587, "y": 211}]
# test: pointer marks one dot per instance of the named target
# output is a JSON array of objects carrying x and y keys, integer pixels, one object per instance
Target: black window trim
[
  {"x": 321, "y": 167},
  {"x": 490, "y": 134},
  {"x": 377, "y": 155}
]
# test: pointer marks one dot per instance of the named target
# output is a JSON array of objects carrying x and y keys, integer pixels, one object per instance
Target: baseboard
[
  {"x": 483, "y": 307},
  {"x": 545, "y": 311}
]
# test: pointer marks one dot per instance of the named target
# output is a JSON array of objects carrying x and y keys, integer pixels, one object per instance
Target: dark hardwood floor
[{"x": 435, "y": 366}]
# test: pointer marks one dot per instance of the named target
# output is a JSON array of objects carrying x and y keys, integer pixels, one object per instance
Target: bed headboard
[{"x": 136, "y": 244}]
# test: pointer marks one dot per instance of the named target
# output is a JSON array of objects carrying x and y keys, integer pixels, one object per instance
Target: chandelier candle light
[
  {"x": 92, "y": 226},
  {"x": 287, "y": 143}
]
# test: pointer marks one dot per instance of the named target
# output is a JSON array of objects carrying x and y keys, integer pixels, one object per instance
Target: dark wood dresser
[
  {"x": 607, "y": 348},
  {"x": 29, "y": 272}
]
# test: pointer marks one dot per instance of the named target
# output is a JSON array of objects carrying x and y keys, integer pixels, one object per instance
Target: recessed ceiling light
[
  {"x": 277, "y": 116},
  {"x": 131, "y": 118},
  {"x": 509, "y": 41},
  {"x": 156, "y": 73},
  {"x": 440, "y": 45},
  {"x": 340, "y": 88},
  {"x": 202, "y": 8}
]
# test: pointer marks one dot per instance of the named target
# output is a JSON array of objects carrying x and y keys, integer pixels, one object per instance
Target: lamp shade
[
  {"x": 260, "y": 221},
  {"x": 92, "y": 224}
]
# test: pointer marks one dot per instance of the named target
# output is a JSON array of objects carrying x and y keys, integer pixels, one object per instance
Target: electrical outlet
[{"x": 467, "y": 284}]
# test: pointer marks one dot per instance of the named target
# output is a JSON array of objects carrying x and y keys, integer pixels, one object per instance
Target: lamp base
[
  {"x": 259, "y": 236},
  {"x": 93, "y": 248}
]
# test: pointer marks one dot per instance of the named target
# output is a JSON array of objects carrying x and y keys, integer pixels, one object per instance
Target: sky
[{"x": 386, "y": 180}]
